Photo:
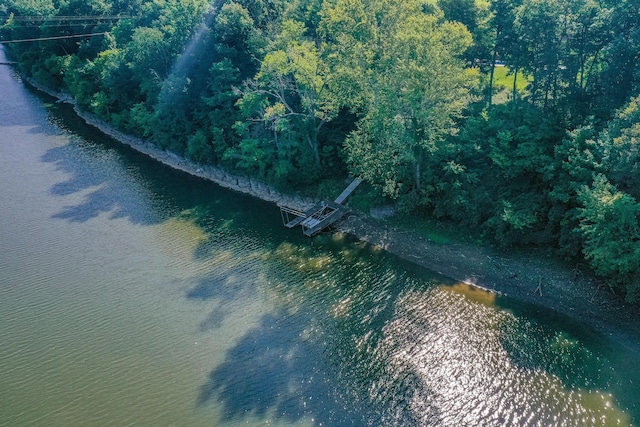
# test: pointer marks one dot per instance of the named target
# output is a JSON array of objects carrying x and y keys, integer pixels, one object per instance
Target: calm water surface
[{"x": 132, "y": 294}]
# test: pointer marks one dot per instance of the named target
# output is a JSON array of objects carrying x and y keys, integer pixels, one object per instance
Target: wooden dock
[{"x": 321, "y": 215}]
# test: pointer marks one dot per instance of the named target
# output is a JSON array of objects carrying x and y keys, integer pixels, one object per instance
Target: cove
[{"x": 135, "y": 294}]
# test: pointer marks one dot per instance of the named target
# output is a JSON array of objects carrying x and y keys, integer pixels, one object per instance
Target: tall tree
[
  {"x": 619, "y": 74},
  {"x": 539, "y": 27},
  {"x": 505, "y": 44},
  {"x": 476, "y": 16},
  {"x": 401, "y": 69},
  {"x": 622, "y": 148},
  {"x": 292, "y": 88},
  {"x": 610, "y": 225}
]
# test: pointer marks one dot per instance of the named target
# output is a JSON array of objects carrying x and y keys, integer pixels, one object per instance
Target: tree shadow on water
[
  {"x": 107, "y": 176},
  {"x": 273, "y": 371},
  {"x": 304, "y": 364},
  {"x": 101, "y": 181},
  {"x": 543, "y": 339},
  {"x": 282, "y": 368},
  {"x": 225, "y": 286},
  {"x": 584, "y": 359}
]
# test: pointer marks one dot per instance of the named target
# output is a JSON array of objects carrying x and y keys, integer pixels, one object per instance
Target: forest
[{"x": 517, "y": 119}]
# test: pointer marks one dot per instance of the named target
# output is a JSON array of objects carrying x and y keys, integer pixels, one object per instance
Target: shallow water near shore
[{"x": 134, "y": 294}]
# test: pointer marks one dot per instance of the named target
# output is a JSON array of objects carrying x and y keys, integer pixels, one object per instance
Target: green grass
[
  {"x": 503, "y": 85},
  {"x": 502, "y": 78}
]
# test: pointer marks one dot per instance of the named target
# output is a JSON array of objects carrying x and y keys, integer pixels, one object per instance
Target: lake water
[{"x": 133, "y": 294}]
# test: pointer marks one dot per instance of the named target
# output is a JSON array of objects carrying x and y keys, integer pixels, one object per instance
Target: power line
[
  {"x": 65, "y": 18},
  {"x": 41, "y": 21},
  {"x": 36, "y": 26},
  {"x": 53, "y": 38},
  {"x": 53, "y": 25}
]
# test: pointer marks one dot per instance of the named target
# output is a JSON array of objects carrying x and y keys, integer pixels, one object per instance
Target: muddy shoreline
[{"x": 531, "y": 278}]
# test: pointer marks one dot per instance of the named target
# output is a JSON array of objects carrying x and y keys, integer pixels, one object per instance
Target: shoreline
[{"x": 529, "y": 278}]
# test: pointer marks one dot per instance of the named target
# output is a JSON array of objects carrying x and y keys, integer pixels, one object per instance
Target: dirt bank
[{"x": 528, "y": 277}]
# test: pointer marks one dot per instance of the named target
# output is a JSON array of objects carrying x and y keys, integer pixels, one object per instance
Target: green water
[{"x": 132, "y": 294}]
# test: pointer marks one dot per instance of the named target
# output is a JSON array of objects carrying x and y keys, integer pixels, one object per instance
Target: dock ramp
[
  {"x": 347, "y": 191},
  {"x": 321, "y": 215}
]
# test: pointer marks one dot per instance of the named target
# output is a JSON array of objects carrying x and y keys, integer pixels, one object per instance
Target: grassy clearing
[
  {"x": 502, "y": 79},
  {"x": 503, "y": 84}
]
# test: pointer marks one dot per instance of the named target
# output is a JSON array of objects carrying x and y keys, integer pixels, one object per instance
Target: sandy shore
[{"x": 528, "y": 277}]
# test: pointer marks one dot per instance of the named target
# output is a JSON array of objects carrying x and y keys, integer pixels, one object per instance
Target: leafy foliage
[
  {"x": 302, "y": 93},
  {"x": 611, "y": 231}
]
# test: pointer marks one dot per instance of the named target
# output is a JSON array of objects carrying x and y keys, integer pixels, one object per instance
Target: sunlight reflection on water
[
  {"x": 131, "y": 294},
  {"x": 453, "y": 349}
]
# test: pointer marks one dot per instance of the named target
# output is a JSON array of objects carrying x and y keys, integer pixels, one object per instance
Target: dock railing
[
  {"x": 289, "y": 222},
  {"x": 320, "y": 216}
]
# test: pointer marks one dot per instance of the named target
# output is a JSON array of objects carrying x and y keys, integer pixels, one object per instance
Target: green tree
[
  {"x": 230, "y": 57},
  {"x": 290, "y": 90},
  {"x": 618, "y": 72},
  {"x": 476, "y": 16},
  {"x": 401, "y": 70},
  {"x": 505, "y": 46},
  {"x": 540, "y": 28},
  {"x": 508, "y": 161},
  {"x": 576, "y": 160},
  {"x": 609, "y": 224},
  {"x": 588, "y": 29},
  {"x": 622, "y": 142}
]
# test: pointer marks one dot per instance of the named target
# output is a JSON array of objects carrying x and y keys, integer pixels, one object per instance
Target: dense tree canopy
[{"x": 301, "y": 93}]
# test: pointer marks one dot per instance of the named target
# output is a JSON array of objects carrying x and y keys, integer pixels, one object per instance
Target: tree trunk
[
  {"x": 515, "y": 86},
  {"x": 313, "y": 144},
  {"x": 493, "y": 66},
  {"x": 418, "y": 168}
]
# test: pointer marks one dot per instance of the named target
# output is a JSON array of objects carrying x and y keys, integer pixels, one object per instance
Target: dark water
[{"x": 132, "y": 294}]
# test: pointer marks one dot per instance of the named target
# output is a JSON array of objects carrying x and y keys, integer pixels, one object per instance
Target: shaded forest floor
[{"x": 526, "y": 276}]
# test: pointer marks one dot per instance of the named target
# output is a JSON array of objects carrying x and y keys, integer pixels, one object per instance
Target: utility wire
[
  {"x": 54, "y": 25},
  {"x": 66, "y": 18},
  {"x": 53, "y": 38}
]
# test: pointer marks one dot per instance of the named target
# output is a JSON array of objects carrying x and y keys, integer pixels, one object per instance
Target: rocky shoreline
[
  {"x": 219, "y": 176},
  {"x": 531, "y": 278}
]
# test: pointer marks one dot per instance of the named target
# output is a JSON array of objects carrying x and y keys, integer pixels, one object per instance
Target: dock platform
[{"x": 321, "y": 215}]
